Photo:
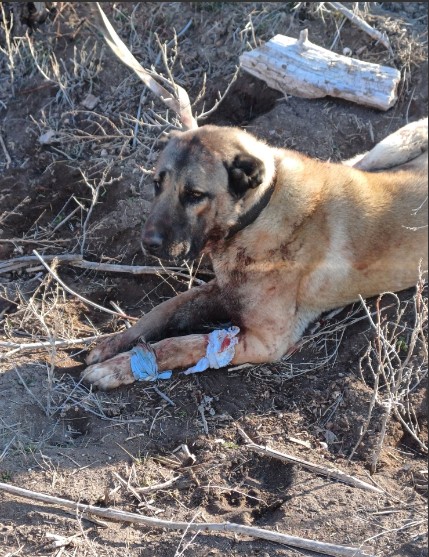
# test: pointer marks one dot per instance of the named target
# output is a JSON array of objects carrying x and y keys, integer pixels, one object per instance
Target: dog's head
[{"x": 204, "y": 181}]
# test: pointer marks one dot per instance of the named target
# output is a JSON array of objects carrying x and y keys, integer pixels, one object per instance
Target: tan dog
[{"x": 289, "y": 238}]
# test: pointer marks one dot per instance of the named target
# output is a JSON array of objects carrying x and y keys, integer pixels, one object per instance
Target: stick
[
  {"x": 70, "y": 291},
  {"x": 322, "y": 470},
  {"x": 78, "y": 261},
  {"x": 25, "y": 241},
  {"x": 156, "y": 487},
  {"x": 181, "y": 105},
  {"x": 17, "y": 347},
  {"x": 363, "y": 25},
  {"x": 164, "y": 396},
  {"x": 5, "y": 151},
  {"x": 226, "y": 527}
]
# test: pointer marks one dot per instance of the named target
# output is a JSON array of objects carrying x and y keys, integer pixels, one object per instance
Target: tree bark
[{"x": 301, "y": 68}]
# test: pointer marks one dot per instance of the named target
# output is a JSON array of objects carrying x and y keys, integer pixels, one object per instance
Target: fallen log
[{"x": 301, "y": 68}]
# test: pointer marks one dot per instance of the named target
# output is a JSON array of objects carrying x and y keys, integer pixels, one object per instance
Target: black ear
[{"x": 245, "y": 172}]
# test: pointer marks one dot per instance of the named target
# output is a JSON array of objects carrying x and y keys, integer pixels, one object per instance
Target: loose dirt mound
[{"x": 76, "y": 179}]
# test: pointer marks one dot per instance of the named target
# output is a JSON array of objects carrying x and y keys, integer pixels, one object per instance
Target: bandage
[
  {"x": 220, "y": 350},
  {"x": 144, "y": 366},
  {"x": 219, "y": 353}
]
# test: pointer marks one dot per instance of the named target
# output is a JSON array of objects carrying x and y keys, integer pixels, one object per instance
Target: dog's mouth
[
  {"x": 167, "y": 246},
  {"x": 175, "y": 252}
]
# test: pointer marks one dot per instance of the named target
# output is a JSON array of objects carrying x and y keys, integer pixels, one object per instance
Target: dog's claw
[
  {"x": 106, "y": 349},
  {"x": 110, "y": 374}
]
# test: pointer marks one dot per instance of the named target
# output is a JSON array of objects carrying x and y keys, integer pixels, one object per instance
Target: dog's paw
[
  {"x": 111, "y": 373},
  {"x": 105, "y": 349}
]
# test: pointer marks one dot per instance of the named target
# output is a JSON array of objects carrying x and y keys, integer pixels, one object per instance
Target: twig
[
  {"x": 5, "y": 151},
  {"x": 363, "y": 25},
  {"x": 164, "y": 396},
  {"x": 397, "y": 373},
  {"x": 181, "y": 105},
  {"x": 209, "y": 112},
  {"x": 322, "y": 470},
  {"x": 143, "y": 93},
  {"x": 65, "y": 220},
  {"x": 85, "y": 516},
  {"x": 370, "y": 409},
  {"x": 27, "y": 241},
  {"x": 226, "y": 527},
  {"x": 61, "y": 541},
  {"x": 95, "y": 193},
  {"x": 77, "y": 261},
  {"x": 17, "y": 347},
  {"x": 157, "y": 487},
  {"x": 201, "y": 408},
  {"x": 7, "y": 447},
  {"x": 70, "y": 291},
  {"x": 24, "y": 384},
  {"x": 128, "y": 486},
  {"x": 19, "y": 262},
  {"x": 119, "y": 310}
]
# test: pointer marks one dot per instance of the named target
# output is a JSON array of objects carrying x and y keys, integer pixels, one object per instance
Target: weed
[{"x": 5, "y": 476}]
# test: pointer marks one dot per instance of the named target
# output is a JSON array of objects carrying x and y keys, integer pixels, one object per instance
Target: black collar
[{"x": 251, "y": 215}]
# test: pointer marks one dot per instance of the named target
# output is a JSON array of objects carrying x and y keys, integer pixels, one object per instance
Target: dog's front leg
[
  {"x": 184, "y": 352},
  {"x": 180, "y": 314},
  {"x": 175, "y": 352}
]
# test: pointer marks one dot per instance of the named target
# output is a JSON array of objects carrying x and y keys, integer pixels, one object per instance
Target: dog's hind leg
[
  {"x": 181, "y": 314},
  {"x": 402, "y": 146}
]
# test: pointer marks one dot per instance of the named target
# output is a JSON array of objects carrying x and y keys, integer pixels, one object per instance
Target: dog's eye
[
  {"x": 192, "y": 196},
  {"x": 156, "y": 187}
]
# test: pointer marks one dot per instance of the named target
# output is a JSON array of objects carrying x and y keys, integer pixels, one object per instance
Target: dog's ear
[
  {"x": 165, "y": 137},
  {"x": 244, "y": 173}
]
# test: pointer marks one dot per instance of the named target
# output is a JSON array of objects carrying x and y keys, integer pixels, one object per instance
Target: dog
[{"x": 289, "y": 237}]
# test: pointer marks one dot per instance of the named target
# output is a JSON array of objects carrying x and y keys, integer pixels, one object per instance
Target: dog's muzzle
[{"x": 153, "y": 241}]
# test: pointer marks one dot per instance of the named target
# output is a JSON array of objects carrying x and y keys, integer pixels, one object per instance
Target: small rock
[
  {"x": 90, "y": 101},
  {"x": 330, "y": 437},
  {"x": 347, "y": 51},
  {"x": 47, "y": 137}
]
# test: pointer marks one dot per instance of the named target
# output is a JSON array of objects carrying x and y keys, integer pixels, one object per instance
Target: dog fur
[{"x": 289, "y": 237}]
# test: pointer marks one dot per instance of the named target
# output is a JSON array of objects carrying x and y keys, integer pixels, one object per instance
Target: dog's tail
[{"x": 398, "y": 148}]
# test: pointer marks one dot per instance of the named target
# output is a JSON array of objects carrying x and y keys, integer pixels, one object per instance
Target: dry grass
[{"x": 397, "y": 359}]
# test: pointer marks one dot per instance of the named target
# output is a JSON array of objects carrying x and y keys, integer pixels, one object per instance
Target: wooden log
[{"x": 301, "y": 68}]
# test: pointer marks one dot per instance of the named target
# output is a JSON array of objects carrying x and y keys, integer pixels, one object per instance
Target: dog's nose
[{"x": 152, "y": 241}]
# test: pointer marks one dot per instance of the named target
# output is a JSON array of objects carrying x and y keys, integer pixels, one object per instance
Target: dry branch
[
  {"x": 333, "y": 473},
  {"x": 225, "y": 527},
  {"x": 301, "y": 68},
  {"x": 181, "y": 105},
  {"x": 399, "y": 374},
  {"x": 5, "y": 151},
  {"x": 70, "y": 291},
  {"x": 157, "y": 487},
  {"x": 18, "y": 347},
  {"x": 78, "y": 261},
  {"x": 359, "y": 22}
]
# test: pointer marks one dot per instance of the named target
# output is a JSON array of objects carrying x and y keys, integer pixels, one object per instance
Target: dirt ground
[{"x": 79, "y": 141}]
